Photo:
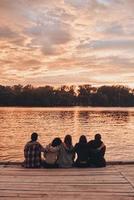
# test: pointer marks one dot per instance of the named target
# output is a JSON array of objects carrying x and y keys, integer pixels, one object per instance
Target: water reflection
[
  {"x": 120, "y": 116},
  {"x": 115, "y": 125},
  {"x": 85, "y": 115}
]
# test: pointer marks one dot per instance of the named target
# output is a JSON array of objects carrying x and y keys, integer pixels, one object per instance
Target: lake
[{"x": 116, "y": 126}]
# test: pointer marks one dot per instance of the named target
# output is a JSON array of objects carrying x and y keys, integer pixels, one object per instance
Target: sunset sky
[{"x": 67, "y": 42}]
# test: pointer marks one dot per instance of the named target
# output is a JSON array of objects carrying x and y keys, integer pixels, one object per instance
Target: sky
[{"x": 56, "y": 42}]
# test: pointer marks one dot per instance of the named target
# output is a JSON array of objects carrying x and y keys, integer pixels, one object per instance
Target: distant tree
[
  {"x": 44, "y": 96},
  {"x": 99, "y": 99},
  {"x": 116, "y": 95},
  {"x": 65, "y": 96},
  {"x": 85, "y": 95},
  {"x": 6, "y": 96}
]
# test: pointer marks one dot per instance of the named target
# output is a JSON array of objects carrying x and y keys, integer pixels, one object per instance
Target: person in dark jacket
[
  {"x": 82, "y": 151},
  {"x": 97, "y": 152}
]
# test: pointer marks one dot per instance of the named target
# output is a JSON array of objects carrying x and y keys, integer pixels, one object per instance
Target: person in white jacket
[{"x": 51, "y": 153}]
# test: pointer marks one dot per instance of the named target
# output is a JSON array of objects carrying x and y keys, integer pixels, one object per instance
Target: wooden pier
[{"x": 115, "y": 182}]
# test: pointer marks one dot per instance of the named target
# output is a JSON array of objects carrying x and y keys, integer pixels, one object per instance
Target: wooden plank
[
  {"x": 41, "y": 188},
  {"x": 57, "y": 179},
  {"x": 108, "y": 175},
  {"x": 125, "y": 168},
  {"x": 62, "y": 175},
  {"x": 58, "y": 173},
  {"x": 68, "y": 198},
  {"x": 58, "y": 169},
  {"x": 62, "y": 193},
  {"x": 130, "y": 179}
]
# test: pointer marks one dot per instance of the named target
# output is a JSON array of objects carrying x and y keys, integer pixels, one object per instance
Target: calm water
[{"x": 115, "y": 124}]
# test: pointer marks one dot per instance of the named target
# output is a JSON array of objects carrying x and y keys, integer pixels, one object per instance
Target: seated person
[
  {"x": 32, "y": 153},
  {"x": 82, "y": 151},
  {"x": 97, "y": 152},
  {"x": 66, "y": 154},
  {"x": 51, "y": 154}
]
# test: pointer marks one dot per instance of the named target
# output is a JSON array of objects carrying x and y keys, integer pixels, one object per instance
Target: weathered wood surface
[{"x": 115, "y": 182}]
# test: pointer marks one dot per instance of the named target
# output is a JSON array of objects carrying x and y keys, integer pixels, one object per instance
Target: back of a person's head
[
  {"x": 34, "y": 136},
  {"x": 56, "y": 141},
  {"x": 83, "y": 139},
  {"x": 68, "y": 140},
  {"x": 97, "y": 137}
]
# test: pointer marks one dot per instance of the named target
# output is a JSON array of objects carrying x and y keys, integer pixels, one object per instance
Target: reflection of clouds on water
[
  {"x": 82, "y": 123},
  {"x": 115, "y": 125},
  {"x": 119, "y": 116},
  {"x": 65, "y": 115},
  {"x": 84, "y": 115}
]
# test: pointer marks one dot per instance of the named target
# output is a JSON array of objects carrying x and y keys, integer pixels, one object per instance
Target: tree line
[{"x": 82, "y": 95}]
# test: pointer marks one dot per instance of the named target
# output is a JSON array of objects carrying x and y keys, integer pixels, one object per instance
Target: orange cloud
[{"x": 64, "y": 41}]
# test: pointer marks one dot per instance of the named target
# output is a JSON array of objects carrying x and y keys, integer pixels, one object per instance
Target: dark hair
[
  {"x": 56, "y": 141},
  {"x": 97, "y": 136},
  {"x": 34, "y": 136},
  {"x": 68, "y": 140},
  {"x": 83, "y": 139}
]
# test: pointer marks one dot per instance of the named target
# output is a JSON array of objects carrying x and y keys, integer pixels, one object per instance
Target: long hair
[
  {"x": 83, "y": 139},
  {"x": 97, "y": 140},
  {"x": 68, "y": 140}
]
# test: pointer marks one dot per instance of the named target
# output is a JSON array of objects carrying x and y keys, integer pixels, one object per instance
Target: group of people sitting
[{"x": 62, "y": 154}]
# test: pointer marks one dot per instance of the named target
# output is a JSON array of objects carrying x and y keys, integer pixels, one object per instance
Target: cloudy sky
[{"x": 67, "y": 42}]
